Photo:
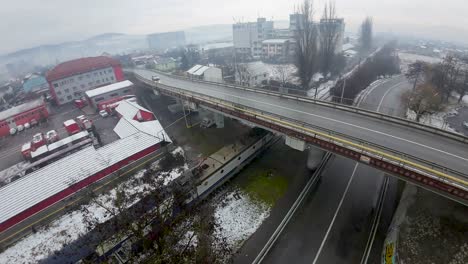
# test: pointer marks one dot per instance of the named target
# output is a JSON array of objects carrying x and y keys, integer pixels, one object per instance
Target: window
[
  {"x": 126, "y": 91},
  {"x": 98, "y": 99},
  {"x": 55, "y": 85},
  {"x": 59, "y": 93},
  {"x": 107, "y": 79},
  {"x": 67, "y": 90},
  {"x": 222, "y": 171},
  {"x": 112, "y": 78},
  {"x": 114, "y": 94},
  {"x": 100, "y": 73},
  {"x": 109, "y": 71},
  {"x": 69, "y": 97}
]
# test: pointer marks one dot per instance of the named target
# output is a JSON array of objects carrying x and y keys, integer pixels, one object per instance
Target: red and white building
[
  {"x": 22, "y": 114},
  {"x": 133, "y": 111},
  {"x": 108, "y": 92},
  {"x": 69, "y": 80},
  {"x": 55, "y": 182}
]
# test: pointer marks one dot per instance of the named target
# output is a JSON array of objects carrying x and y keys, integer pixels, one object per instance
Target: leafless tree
[
  {"x": 242, "y": 74},
  {"x": 462, "y": 84},
  {"x": 366, "y": 34},
  {"x": 416, "y": 72},
  {"x": 165, "y": 237},
  {"x": 329, "y": 36},
  {"x": 306, "y": 50},
  {"x": 282, "y": 74},
  {"x": 444, "y": 76},
  {"x": 423, "y": 100}
]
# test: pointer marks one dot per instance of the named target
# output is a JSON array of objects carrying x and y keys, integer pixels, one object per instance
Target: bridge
[{"x": 432, "y": 158}]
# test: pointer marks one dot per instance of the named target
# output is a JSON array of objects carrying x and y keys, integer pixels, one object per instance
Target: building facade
[
  {"x": 69, "y": 80},
  {"x": 277, "y": 49},
  {"x": 22, "y": 114},
  {"x": 251, "y": 74},
  {"x": 166, "y": 40},
  {"x": 206, "y": 73},
  {"x": 248, "y": 37},
  {"x": 108, "y": 92}
]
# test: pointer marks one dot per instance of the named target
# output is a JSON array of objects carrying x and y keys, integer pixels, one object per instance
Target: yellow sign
[{"x": 389, "y": 253}]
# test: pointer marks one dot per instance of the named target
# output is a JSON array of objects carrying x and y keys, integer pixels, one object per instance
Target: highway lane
[
  {"x": 348, "y": 235},
  {"x": 434, "y": 148}
]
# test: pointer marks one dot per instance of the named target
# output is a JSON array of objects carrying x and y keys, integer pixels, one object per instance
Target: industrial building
[
  {"x": 108, "y": 92},
  {"x": 22, "y": 114},
  {"x": 248, "y": 37},
  {"x": 69, "y": 80},
  {"x": 166, "y": 40}
]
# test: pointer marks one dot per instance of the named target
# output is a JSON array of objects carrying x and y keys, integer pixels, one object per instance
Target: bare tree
[
  {"x": 306, "y": 51},
  {"x": 282, "y": 74},
  {"x": 423, "y": 100},
  {"x": 444, "y": 76},
  {"x": 416, "y": 72},
  {"x": 366, "y": 34},
  {"x": 329, "y": 35},
  {"x": 462, "y": 85}
]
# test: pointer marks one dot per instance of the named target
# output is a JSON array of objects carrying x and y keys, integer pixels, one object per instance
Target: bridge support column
[
  {"x": 219, "y": 120},
  {"x": 295, "y": 143}
]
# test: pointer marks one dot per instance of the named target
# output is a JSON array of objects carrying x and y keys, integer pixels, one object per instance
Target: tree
[
  {"x": 306, "y": 51},
  {"x": 444, "y": 76},
  {"x": 424, "y": 100},
  {"x": 189, "y": 58},
  {"x": 282, "y": 74},
  {"x": 462, "y": 85},
  {"x": 416, "y": 72},
  {"x": 329, "y": 36},
  {"x": 161, "y": 227},
  {"x": 366, "y": 34}
]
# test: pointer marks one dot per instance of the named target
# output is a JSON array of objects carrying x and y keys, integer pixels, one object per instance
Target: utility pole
[{"x": 342, "y": 90}]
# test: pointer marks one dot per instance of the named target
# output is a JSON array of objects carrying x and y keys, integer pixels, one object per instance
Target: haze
[{"x": 30, "y": 23}]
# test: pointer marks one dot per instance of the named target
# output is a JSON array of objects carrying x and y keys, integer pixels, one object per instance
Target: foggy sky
[{"x": 27, "y": 23}]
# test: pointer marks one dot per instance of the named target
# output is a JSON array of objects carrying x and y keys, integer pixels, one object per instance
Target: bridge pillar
[
  {"x": 219, "y": 120},
  {"x": 295, "y": 143}
]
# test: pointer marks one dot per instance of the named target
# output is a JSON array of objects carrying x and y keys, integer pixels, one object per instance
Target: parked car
[
  {"x": 27, "y": 125},
  {"x": 465, "y": 124},
  {"x": 52, "y": 136},
  {"x": 207, "y": 122},
  {"x": 20, "y": 128},
  {"x": 103, "y": 113},
  {"x": 12, "y": 131}
]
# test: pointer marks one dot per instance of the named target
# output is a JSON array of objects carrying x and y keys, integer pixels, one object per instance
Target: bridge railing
[
  {"x": 421, "y": 166},
  {"x": 347, "y": 108}
]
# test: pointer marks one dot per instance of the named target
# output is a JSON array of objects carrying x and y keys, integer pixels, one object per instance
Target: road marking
[
  {"x": 326, "y": 135},
  {"x": 344, "y": 123},
  {"x": 336, "y": 214},
  {"x": 386, "y": 93}
]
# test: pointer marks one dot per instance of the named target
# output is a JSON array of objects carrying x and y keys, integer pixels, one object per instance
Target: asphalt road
[
  {"x": 437, "y": 149},
  {"x": 334, "y": 223}
]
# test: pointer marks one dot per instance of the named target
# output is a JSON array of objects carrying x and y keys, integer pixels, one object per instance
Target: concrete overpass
[{"x": 429, "y": 157}]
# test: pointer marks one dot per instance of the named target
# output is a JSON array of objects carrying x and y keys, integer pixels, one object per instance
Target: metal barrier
[
  {"x": 414, "y": 168},
  {"x": 352, "y": 109}
]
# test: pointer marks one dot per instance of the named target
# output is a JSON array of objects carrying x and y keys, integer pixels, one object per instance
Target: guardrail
[
  {"x": 351, "y": 109},
  {"x": 400, "y": 159}
]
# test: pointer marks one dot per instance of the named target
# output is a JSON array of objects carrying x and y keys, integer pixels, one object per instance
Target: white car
[
  {"x": 465, "y": 124},
  {"x": 27, "y": 125},
  {"x": 20, "y": 128},
  {"x": 103, "y": 113},
  {"x": 12, "y": 131},
  {"x": 155, "y": 78}
]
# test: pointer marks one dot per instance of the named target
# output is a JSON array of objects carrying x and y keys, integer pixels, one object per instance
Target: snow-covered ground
[
  {"x": 7, "y": 174},
  {"x": 436, "y": 120},
  {"x": 69, "y": 227},
  {"x": 239, "y": 216},
  {"x": 323, "y": 91}
]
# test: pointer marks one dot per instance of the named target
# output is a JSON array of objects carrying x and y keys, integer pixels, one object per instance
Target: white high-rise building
[{"x": 248, "y": 37}]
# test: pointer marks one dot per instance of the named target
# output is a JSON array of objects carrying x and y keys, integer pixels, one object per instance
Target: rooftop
[
  {"x": 275, "y": 41},
  {"x": 129, "y": 109},
  {"x": 109, "y": 88},
  {"x": 78, "y": 66},
  {"x": 16, "y": 110}
]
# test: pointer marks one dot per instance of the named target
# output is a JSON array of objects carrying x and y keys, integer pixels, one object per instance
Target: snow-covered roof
[
  {"x": 41, "y": 150},
  {"x": 200, "y": 71},
  {"x": 126, "y": 127},
  {"x": 69, "y": 122},
  {"x": 129, "y": 109},
  {"x": 16, "y": 110},
  {"x": 56, "y": 177},
  {"x": 109, "y": 88},
  {"x": 347, "y": 46},
  {"x": 194, "y": 68},
  {"x": 275, "y": 41}
]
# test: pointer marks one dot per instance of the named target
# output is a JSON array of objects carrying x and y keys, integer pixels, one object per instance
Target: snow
[
  {"x": 109, "y": 88},
  {"x": 323, "y": 91},
  {"x": 10, "y": 172},
  {"x": 239, "y": 216},
  {"x": 435, "y": 120},
  {"x": 69, "y": 227}
]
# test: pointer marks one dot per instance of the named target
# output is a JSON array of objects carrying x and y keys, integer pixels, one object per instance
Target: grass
[{"x": 266, "y": 186}]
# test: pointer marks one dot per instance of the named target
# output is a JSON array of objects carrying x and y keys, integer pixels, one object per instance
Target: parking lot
[{"x": 10, "y": 147}]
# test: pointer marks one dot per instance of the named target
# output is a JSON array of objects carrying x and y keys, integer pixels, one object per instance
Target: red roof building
[
  {"x": 69, "y": 80},
  {"x": 22, "y": 114}
]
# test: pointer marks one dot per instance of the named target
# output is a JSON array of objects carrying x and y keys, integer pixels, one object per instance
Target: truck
[
  {"x": 38, "y": 141},
  {"x": 84, "y": 122},
  {"x": 71, "y": 127},
  {"x": 26, "y": 150}
]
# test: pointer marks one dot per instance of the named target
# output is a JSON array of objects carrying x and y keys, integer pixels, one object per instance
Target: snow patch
[
  {"x": 69, "y": 227},
  {"x": 239, "y": 216},
  {"x": 436, "y": 120}
]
